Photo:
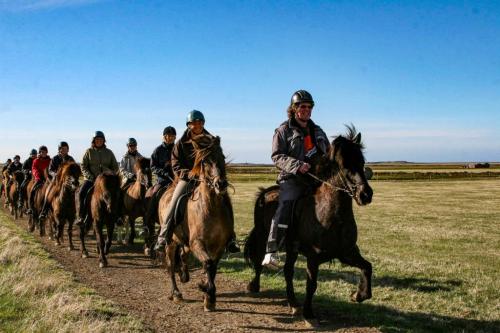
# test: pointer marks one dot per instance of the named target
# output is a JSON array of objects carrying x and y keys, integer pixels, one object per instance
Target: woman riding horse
[
  {"x": 128, "y": 162},
  {"x": 295, "y": 144},
  {"x": 40, "y": 173}
]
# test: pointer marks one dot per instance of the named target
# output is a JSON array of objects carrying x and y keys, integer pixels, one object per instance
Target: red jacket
[{"x": 38, "y": 168}]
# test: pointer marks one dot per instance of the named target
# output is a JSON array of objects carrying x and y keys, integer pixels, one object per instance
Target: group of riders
[{"x": 296, "y": 141}]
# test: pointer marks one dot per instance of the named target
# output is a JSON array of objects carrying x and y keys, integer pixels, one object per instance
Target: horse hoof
[
  {"x": 147, "y": 251},
  {"x": 296, "y": 310},
  {"x": 178, "y": 298},
  {"x": 253, "y": 288},
  {"x": 85, "y": 255},
  {"x": 207, "y": 306},
  {"x": 311, "y": 323},
  {"x": 359, "y": 297},
  {"x": 102, "y": 265}
]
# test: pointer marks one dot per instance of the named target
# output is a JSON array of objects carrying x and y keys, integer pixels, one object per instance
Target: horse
[
  {"x": 134, "y": 199},
  {"x": 105, "y": 204},
  {"x": 3, "y": 190},
  {"x": 34, "y": 221},
  {"x": 17, "y": 179},
  {"x": 323, "y": 226},
  {"x": 208, "y": 221},
  {"x": 61, "y": 201}
]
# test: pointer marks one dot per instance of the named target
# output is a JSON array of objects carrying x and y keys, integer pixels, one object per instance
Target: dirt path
[{"x": 131, "y": 281}]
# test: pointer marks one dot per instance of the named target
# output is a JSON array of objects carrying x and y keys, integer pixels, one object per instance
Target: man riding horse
[
  {"x": 27, "y": 165},
  {"x": 95, "y": 161},
  {"x": 127, "y": 163},
  {"x": 295, "y": 142},
  {"x": 61, "y": 157},
  {"x": 39, "y": 170},
  {"x": 11, "y": 169},
  {"x": 182, "y": 163}
]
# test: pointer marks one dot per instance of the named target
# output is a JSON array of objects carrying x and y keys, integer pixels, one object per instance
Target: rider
[
  {"x": 295, "y": 142},
  {"x": 128, "y": 161},
  {"x": 6, "y": 165},
  {"x": 182, "y": 163},
  {"x": 96, "y": 160},
  {"x": 55, "y": 163},
  {"x": 27, "y": 165},
  {"x": 161, "y": 167},
  {"x": 39, "y": 170},
  {"x": 13, "y": 167},
  {"x": 60, "y": 158}
]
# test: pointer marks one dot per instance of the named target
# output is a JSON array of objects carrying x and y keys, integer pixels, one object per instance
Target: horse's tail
[{"x": 256, "y": 240}]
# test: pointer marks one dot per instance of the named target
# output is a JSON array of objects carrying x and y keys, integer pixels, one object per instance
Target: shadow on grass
[{"x": 335, "y": 313}]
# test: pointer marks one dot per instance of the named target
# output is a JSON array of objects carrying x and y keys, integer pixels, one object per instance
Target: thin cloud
[{"x": 31, "y": 5}]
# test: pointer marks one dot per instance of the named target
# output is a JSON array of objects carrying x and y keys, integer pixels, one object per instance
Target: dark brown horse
[
  {"x": 104, "y": 208},
  {"x": 61, "y": 200},
  {"x": 323, "y": 226},
  {"x": 208, "y": 220},
  {"x": 39, "y": 193},
  {"x": 134, "y": 199},
  {"x": 14, "y": 192}
]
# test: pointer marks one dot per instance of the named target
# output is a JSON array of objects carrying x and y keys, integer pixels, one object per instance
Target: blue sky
[{"x": 419, "y": 79}]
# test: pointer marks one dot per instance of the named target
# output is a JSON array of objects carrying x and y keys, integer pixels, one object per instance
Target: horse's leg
[
  {"x": 131, "y": 234},
  {"x": 70, "y": 235},
  {"x": 355, "y": 259},
  {"x": 98, "y": 226},
  {"x": 184, "y": 269},
  {"x": 210, "y": 267},
  {"x": 171, "y": 250},
  {"x": 312, "y": 283},
  {"x": 110, "y": 226},
  {"x": 83, "y": 250},
  {"x": 60, "y": 231},
  {"x": 291, "y": 258}
]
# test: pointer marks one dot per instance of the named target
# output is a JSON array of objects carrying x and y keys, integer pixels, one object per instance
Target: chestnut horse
[
  {"x": 104, "y": 209},
  {"x": 34, "y": 221},
  {"x": 14, "y": 192},
  {"x": 61, "y": 200},
  {"x": 323, "y": 226},
  {"x": 134, "y": 199},
  {"x": 208, "y": 221}
]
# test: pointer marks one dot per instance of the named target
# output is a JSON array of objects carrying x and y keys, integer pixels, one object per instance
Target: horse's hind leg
[
  {"x": 110, "y": 226},
  {"x": 83, "y": 249},
  {"x": 184, "y": 269},
  {"x": 291, "y": 258},
  {"x": 171, "y": 250},
  {"x": 131, "y": 233},
  {"x": 70, "y": 235},
  {"x": 355, "y": 259}
]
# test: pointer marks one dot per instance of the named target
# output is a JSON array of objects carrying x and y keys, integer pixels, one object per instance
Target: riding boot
[{"x": 164, "y": 236}]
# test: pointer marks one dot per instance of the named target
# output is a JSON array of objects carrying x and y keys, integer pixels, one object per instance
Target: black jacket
[
  {"x": 13, "y": 167},
  {"x": 161, "y": 165},
  {"x": 56, "y": 162},
  {"x": 183, "y": 155},
  {"x": 27, "y": 165}
]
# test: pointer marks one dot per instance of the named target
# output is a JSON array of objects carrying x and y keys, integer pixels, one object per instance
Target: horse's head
[
  {"x": 107, "y": 188},
  {"x": 347, "y": 154},
  {"x": 69, "y": 174},
  {"x": 18, "y": 176},
  {"x": 210, "y": 162},
  {"x": 143, "y": 170}
]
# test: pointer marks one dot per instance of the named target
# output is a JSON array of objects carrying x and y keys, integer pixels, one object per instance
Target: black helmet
[
  {"x": 193, "y": 116},
  {"x": 132, "y": 142},
  {"x": 63, "y": 144},
  {"x": 169, "y": 130},
  {"x": 44, "y": 148},
  {"x": 17, "y": 157},
  {"x": 302, "y": 96},
  {"x": 99, "y": 134},
  {"x": 33, "y": 152}
]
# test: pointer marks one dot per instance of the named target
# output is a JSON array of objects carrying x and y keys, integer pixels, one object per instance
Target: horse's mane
[
  {"x": 204, "y": 145},
  {"x": 142, "y": 163}
]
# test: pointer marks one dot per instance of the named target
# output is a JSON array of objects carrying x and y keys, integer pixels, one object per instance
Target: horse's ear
[{"x": 357, "y": 139}]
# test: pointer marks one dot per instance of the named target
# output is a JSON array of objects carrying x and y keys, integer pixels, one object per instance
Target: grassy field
[
  {"x": 435, "y": 248},
  {"x": 37, "y": 295}
]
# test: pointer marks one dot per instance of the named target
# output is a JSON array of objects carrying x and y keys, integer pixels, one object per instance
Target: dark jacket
[
  {"x": 56, "y": 163},
  {"x": 183, "y": 155},
  {"x": 161, "y": 163},
  {"x": 97, "y": 160},
  {"x": 27, "y": 165},
  {"x": 288, "y": 152},
  {"x": 13, "y": 167}
]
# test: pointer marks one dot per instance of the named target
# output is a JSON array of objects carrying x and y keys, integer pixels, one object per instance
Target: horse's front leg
[
  {"x": 131, "y": 233},
  {"x": 364, "y": 291},
  {"x": 171, "y": 255},
  {"x": 98, "y": 226},
  {"x": 291, "y": 258},
  {"x": 83, "y": 249},
  {"x": 312, "y": 283},
  {"x": 71, "y": 247},
  {"x": 110, "y": 227},
  {"x": 209, "y": 288}
]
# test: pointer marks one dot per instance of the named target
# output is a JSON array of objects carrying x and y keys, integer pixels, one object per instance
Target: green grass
[
  {"x": 36, "y": 295},
  {"x": 435, "y": 248}
]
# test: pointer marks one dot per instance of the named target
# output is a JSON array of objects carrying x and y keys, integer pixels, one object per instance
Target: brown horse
[
  {"x": 14, "y": 193},
  {"x": 34, "y": 221},
  {"x": 134, "y": 199},
  {"x": 105, "y": 209},
  {"x": 4, "y": 194},
  {"x": 61, "y": 200},
  {"x": 208, "y": 220},
  {"x": 323, "y": 226}
]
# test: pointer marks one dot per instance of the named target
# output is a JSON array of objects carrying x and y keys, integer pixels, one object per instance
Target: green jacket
[{"x": 97, "y": 160}]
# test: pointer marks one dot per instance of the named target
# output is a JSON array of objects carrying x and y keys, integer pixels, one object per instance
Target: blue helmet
[
  {"x": 193, "y": 116},
  {"x": 99, "y": 134}
]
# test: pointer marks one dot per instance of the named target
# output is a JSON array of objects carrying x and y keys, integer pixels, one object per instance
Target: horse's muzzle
[
  {"x": 364, "y": 194},
  {"x": 221, "y": 186}
]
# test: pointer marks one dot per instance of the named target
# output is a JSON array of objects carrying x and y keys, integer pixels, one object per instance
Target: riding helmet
[
  {"x": 99, "y": 134},
  {"x": 33, "y": 152},
  {"x": 18, "y": 157},
  {"x": 169, "y": 130},
  {"x": 63, "y": 144},
  {"x": 302, "y": 96},
  {"x": 132, "y": 142},
  {"x": 42, "y": 148},
  {"x": 193, "y": 116}
]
